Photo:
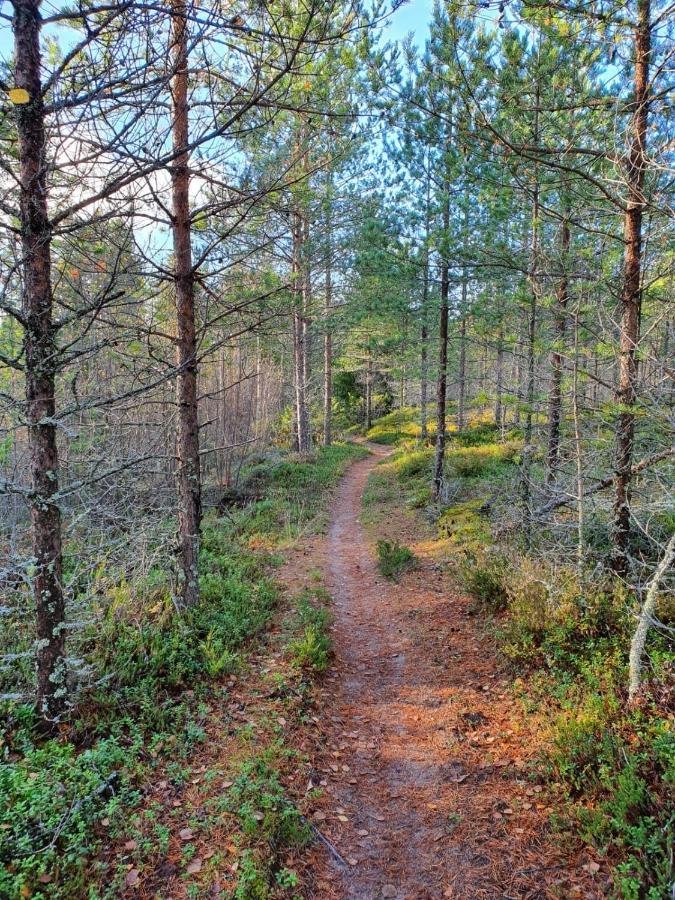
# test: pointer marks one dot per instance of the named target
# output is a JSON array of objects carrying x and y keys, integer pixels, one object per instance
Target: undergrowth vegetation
[
  {"x": 157, "y": 671},
  {"x": 566, "y": 635},
  {"x": 394, "y": 559}
]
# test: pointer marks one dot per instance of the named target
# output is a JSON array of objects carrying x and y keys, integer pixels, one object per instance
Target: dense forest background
[{"x": 235, "y": 233}]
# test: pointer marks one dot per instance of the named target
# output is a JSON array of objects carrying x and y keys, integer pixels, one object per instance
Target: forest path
[{"x": 423, "y": 751}]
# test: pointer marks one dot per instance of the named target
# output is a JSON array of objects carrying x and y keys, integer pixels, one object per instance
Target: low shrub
[
  {"x": 397, "y": 426},
  {"x": 618, "y": 768},
  {"x": 466, "y": 525},
  {"x": 483, "y": 460},
  {"x": 311, "y": 650},
  {"x": 50, "y": 800},
  {"x": 482, "y": 433},
  {"x": 484, "y": 576},
  {"x": 394, "y": 559},
  {"x": 413, "y": 464},
  {"x": 269, "y": 822}
]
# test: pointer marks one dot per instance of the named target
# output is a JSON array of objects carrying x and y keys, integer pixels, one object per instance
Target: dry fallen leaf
[
  {"x": 130, "y": 845},
  {"x": 185, "y": 834},
  {"x": 194, "y": 866},
  {"x": 133, "y": 876}
]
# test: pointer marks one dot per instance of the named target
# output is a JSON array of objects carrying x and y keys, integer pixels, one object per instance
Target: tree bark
[
  {"x": 188, "y": 475},
  {"x": 369, "y": 389},
  {"x": 533, "y": 277},
  {"x": 424, "y": 330},
  {"x": 637, "y": 646},
  {"x": 306, "y": 305},
  {"x": 555, "y": 392},
  {"x": 499, "y": 384},
  {"x": 40, "y": 353},
  {"x": 577, "y": 448},
  {"x": 442, "y": 384},
  {"x": 626, "y": 393},
  {"x": 461, "y": 390},
  {"x": 302, "y": 423},
  {"x": 328, "y": 303}
]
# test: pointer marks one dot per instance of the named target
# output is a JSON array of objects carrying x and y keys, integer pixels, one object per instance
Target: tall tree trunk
[
  {"x": 302, "y": 423},
  {"x": 555, "y": 392},
  {"x": 461, "y": 388},
  {"x": 442, "y": 384},
  {"x": 328, "y": 303},
  {"x": 533, "y": 278},
  {"x": 518, "y": 379},
  {"x": 424, "y": 331},
  {"x": 40, "y": 359},
  {"x": 626, "y": 393},
  {"x": 369, "y": 389},
  {"x": 499, "y": 377},
  {"x": 578, "y": 448},
  {"x": 188, "y": 473},
  {"x": 306, "y": 305},
  {"x": 424, "y": 380}
]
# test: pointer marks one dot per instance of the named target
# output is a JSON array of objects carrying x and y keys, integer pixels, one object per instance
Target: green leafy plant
[
  {"x": 485, "y": 578},
  {"x": 394, "y": 559},
  {"x": 311, "y": 650},
  {"x": 218, "y": 659}
]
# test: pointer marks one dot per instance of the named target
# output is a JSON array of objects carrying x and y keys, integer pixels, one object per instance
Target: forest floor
[
  {"x": 412, "y": 757},
  {"x": 423, "y": 752}
]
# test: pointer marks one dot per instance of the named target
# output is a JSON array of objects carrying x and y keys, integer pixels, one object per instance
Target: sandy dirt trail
[{"x": 424, "y": 751}]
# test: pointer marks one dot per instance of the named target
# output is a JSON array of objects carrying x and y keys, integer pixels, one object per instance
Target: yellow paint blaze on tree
[{"x": 19, "y": 96}]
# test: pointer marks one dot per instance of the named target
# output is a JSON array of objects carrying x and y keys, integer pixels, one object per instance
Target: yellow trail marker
[{"x": 19, "y": 96}]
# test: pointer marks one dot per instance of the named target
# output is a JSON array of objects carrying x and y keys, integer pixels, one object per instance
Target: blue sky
[{"x": 413, "y": 16}]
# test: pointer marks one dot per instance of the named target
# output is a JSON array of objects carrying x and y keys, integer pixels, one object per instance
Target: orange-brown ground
[
  {"x": 414, "y": 736},
  {"x": 423, "y": 751}
]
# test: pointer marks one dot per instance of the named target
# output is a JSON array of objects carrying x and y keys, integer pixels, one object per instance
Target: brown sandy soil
[{"x": 424, "y": 754}]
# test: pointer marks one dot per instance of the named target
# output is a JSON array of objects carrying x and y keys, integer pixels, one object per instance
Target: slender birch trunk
[{"x": 637, "y": 646}]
